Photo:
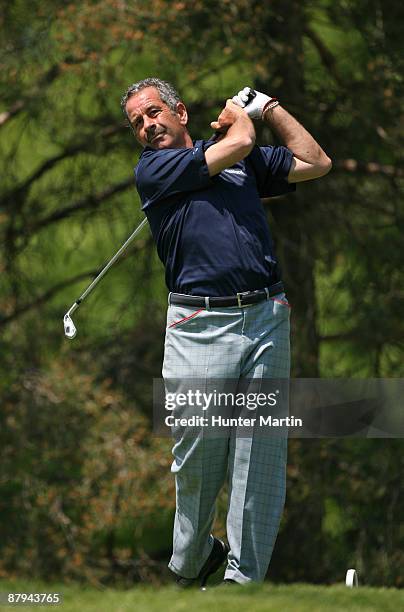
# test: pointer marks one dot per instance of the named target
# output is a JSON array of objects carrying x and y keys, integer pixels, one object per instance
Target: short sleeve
[
  {"x": 271, "y": 167},
  {"x": 163, "y": 173}
]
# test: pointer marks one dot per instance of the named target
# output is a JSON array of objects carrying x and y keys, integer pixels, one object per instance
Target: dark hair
[{"x": 167, "y": 92}]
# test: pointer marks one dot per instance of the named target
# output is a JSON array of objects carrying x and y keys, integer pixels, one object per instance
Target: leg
[
  {"x": 257, "y": 497},
  {"x": 199, "y": 476},
  {"x": 198, "y": 351},
  {"x": 257, "y": 463}
]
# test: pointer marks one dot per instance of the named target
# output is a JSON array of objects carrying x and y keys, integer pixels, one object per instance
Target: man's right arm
[{"x": 237, "y": 142}]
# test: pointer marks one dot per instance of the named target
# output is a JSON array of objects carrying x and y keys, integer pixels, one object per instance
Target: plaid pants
[{"x": 216, "y": 345}]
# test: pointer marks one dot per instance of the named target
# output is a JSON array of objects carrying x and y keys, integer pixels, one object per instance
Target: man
[{"x": 228, "y": 316}]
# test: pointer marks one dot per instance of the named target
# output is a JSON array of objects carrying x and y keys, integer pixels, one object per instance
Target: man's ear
[{"x": 182, "y": 113}]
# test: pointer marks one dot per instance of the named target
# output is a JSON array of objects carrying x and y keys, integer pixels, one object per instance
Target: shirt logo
[{"x": 234, "y": 171}]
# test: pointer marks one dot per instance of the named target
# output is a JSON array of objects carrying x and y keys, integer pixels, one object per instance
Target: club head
[{"x": 70, "y": 328}]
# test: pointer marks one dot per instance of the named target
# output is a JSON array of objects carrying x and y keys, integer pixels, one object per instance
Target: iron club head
[{"x": 70, "y": 328}]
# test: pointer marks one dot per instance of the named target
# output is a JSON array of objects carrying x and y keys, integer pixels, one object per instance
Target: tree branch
[
  {"x": 16, "y": 194},
  {"x": 11, "y": 112},
  {"x": 325, "y": 54},
  {"x": 92, "y": 201},
  {"x": 355, "y": 166},
  {"x": 47, "y": 295},
  {"x": 50, "y": 293},
  {"x": 49, "y": 76}
]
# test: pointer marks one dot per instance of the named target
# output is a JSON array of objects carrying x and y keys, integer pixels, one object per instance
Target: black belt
[{"x": 240, "y": 299}]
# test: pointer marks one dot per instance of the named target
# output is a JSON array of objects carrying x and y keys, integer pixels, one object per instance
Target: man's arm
[
  {"x": 309, "y": 159},
  {"x": 237, "y": 142}
]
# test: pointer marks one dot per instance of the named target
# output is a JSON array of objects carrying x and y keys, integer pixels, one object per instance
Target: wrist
[
  {"x": 269, "y": 106},
  {"x": 242, "y": 128}
]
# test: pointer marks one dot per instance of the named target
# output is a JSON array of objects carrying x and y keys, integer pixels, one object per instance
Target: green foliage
[
  {"x": 343, "y": 500},
  {"x": 82, "y": 481}
]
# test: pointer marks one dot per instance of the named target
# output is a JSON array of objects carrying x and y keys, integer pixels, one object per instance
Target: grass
[{"x": 254, "y": 598}]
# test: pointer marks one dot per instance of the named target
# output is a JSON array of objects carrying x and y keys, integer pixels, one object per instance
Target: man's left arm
[{"x": 309, "y": 160}]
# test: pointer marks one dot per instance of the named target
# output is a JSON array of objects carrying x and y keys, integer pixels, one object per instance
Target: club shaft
[{"x": 111, "y": 262}]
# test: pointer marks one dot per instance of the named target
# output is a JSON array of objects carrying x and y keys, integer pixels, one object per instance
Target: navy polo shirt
[{"x": 211, "y": 233}]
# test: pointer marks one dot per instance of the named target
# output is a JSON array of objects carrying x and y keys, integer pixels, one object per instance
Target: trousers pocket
[
  {"x": 283, "y": 302},
  {"x": 281, "y": 306},
  {"x": 185, "y": 319}
]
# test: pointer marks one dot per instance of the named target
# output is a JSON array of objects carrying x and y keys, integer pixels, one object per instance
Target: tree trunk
[{"x": 292, "y": 232}]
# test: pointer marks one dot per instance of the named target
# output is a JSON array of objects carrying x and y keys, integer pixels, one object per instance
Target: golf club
[{"x": 69, "y": 326}]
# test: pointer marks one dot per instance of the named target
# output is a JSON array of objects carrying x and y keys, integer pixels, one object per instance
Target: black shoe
[{"x": 217, "y": 556}]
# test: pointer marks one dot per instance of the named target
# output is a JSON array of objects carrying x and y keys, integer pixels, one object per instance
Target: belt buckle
[{"x": 239, "y": 296}]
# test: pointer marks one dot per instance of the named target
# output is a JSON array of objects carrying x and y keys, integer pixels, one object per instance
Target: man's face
[{"x": 154, "y": 123}]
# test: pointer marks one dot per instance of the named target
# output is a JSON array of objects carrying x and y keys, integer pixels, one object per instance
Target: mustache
[{"x": 153, "y": 134}]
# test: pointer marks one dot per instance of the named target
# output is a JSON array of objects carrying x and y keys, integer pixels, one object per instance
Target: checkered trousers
[{"x": 218, "y": 348}]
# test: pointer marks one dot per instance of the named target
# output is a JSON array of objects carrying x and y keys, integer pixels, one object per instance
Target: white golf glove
[{"x": 254, "y": 102}]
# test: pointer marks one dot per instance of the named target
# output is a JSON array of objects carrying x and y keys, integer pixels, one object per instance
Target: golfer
[{"x": 228, "y": 315}]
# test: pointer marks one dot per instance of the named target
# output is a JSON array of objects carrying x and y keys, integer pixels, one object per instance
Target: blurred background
[{"x": 85, "y": 489}]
